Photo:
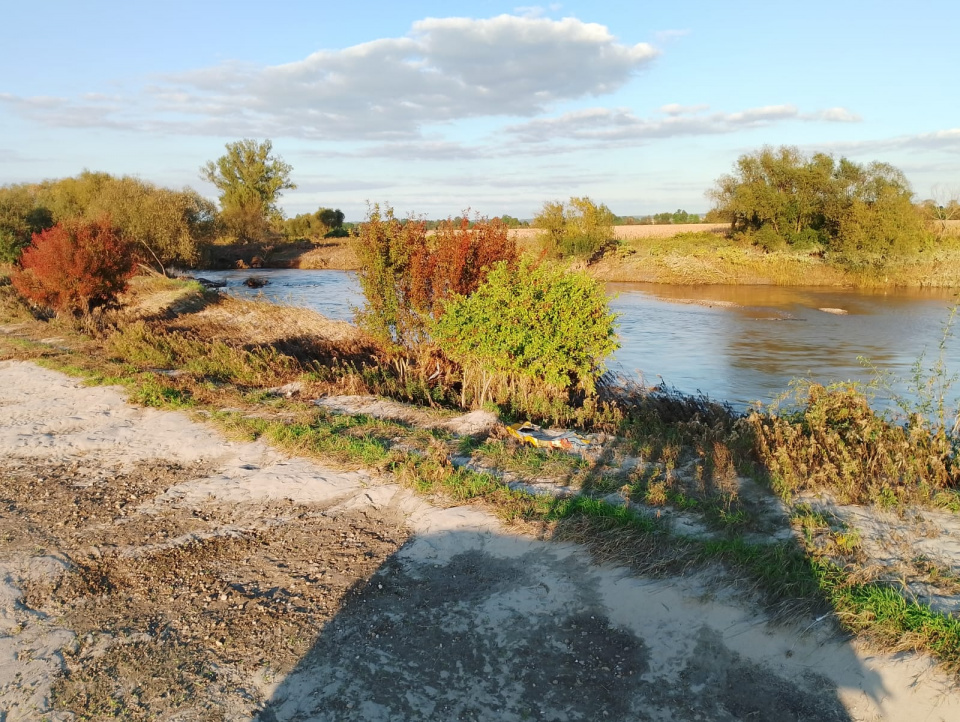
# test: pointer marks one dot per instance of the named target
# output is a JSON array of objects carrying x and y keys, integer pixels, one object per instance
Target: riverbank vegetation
[
  {"x": 785, "y": 218},
  {"x": 250, "y": 367},
  {"x": 459, "y": 318},
  {"x": 711, "y": 257}
]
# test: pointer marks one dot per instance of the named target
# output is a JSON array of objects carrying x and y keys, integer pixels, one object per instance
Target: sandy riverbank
[{"x": 153, "y": 568}]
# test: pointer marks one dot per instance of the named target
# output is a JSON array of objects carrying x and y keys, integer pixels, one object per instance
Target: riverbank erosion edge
[
  {"x": 645, "y": 502},
  {"x": 252, "y": 584},
  {"x": 672, "y": 254}
]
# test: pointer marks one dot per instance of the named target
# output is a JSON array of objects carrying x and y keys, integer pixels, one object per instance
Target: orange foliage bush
[
  {"x": 407, "y": 274},
  {"x": 75, "y": 267},
  {"x": 456, "y": 259}
]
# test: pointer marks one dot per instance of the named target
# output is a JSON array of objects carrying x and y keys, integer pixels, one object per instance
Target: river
[{"x": 740, "y": 344}]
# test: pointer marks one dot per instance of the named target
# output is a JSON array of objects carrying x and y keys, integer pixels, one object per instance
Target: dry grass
[
  {"x": 627, "y": 233},
  {"x": 251, "y": 322},
  {"x": 336, "y": 254},
  {"x": 711, "y": 258},
  {"x": 830, "y": 439}
]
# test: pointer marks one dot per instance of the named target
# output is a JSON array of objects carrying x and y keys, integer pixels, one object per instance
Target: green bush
[
  {"x": 579, "y": 228},
  {"x": 171, "y": 226},
  {"x": 860, "y": 214},
  {"x": 20, "y": 218},
  {"x": 537, "y": 324},
  {"x": 11, "y": 246}
]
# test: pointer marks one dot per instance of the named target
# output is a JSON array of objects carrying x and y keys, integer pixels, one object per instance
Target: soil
[{"x": 152, "y": 569}]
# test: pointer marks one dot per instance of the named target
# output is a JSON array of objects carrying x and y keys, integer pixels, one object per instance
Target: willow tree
[
  {"x": 579, "y": 227},
  {"x": 250, "y": 181},
  {"x": 781, "y": 197}
]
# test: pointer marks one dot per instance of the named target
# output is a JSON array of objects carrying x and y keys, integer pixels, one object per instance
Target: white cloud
[
  {"x": 666, "y": 36},
  {"x": 95, "y": 112},
  {"x": 837, "y": 115},
  {"x": 937, "y": 141},
  {"x": 445, "y": 69},
  {"x": 437, "y": 150},
  {"x": 530, "y": 11},
  {"x": 9, "y": 155},
  {"x": 603, "y": 124},
  {"x": 677, "y": 109}
]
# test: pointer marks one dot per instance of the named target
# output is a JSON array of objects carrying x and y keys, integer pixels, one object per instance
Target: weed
[
  {"x": 831, "y": 439},
  {"x": 155, "y": 392}
]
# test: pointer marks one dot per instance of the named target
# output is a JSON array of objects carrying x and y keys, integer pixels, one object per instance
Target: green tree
[
  {"x": 323, "y": 223},
  {"x": 20, "y": 218},
  {"x": 250, "y": 181},
  {"x": 780, "y": 197},
  {"x": 578, "y": 227},
  {"x": 331, "y": 217},
  {"x": 511, "y": 221},
  {"x": 171, "y": 226}
]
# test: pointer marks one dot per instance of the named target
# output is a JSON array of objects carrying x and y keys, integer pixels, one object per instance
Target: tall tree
[
  {"x": 250, "y": 181},
  {"x": 779, "y": 197}
]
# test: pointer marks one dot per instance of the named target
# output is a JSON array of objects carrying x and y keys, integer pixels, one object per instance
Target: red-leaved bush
[
  {"x": 456, "y": 260},
  {"x": 407, "y": 274},
  {"x": 75, "y": 267}
]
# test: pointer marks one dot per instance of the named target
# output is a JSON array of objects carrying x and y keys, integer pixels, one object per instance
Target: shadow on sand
[{"x": 481, "y": 625}]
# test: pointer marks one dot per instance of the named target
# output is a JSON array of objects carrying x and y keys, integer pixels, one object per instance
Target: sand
[{"x": 386, "y": 607}]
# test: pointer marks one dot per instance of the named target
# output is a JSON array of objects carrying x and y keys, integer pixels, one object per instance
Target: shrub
[
  {"x": 831, "y": 439},
  {"x": 458, "y": 258},
  {"x": 323, "y": 223},
  {"x": 11, "y": 246},
  {"x": 540, "y": 324},
  {"x": 406, "y": 274},
  {"x": 858, "y": 213},
  {"x": 20, "y": 218},
  {"x": 75, "y": 267},
  {"x": 578, "y": 228}
]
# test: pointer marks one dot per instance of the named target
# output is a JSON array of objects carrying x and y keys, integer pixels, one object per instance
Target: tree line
[
  {"x": 168, "y": 226},
  {"x": 775, "y": 199}
]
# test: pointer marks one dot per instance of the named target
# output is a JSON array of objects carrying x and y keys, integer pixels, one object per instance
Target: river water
[{"x": 740, "y": 344}]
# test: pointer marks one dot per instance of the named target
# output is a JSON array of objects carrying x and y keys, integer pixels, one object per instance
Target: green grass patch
[{"x": 155, "y": 392}]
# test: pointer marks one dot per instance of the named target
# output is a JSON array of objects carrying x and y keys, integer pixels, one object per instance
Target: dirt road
[{"x": 151, "y": 569}]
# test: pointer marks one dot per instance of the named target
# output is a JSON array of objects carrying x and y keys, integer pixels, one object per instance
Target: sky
[{"x": 438, "y": 107}]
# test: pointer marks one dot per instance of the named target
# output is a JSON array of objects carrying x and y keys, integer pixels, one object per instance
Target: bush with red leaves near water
[
  {"x": 406, "y": 274},
  {"x": 457, "y": 259},
  {"x": 75, "y": 267}
]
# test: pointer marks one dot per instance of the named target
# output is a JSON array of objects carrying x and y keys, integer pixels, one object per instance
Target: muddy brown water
[{"x": 739, "y": 344}]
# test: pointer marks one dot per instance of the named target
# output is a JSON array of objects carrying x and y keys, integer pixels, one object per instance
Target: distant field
[{"x": 626, "y": 233}]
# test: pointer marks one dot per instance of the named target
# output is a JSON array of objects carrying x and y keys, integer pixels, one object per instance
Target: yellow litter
[{"x": 552, "y": 439}]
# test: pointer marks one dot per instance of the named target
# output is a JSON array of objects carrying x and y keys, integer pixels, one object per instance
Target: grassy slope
[{"x": 218, "y": 370}]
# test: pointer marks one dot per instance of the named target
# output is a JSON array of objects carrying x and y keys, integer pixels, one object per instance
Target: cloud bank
[
  {"x": 444, "y": 70},
  {"x": 604, "y": 124}
]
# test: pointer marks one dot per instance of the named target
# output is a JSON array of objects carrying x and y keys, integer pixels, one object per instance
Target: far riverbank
[{"x": 689, "y": 254}]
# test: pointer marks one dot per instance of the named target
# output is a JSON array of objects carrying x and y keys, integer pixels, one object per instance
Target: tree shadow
[{"x": 482, "y": 625}]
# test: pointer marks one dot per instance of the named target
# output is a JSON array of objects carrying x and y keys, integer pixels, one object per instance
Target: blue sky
[{"x": 435, "y": 107}]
